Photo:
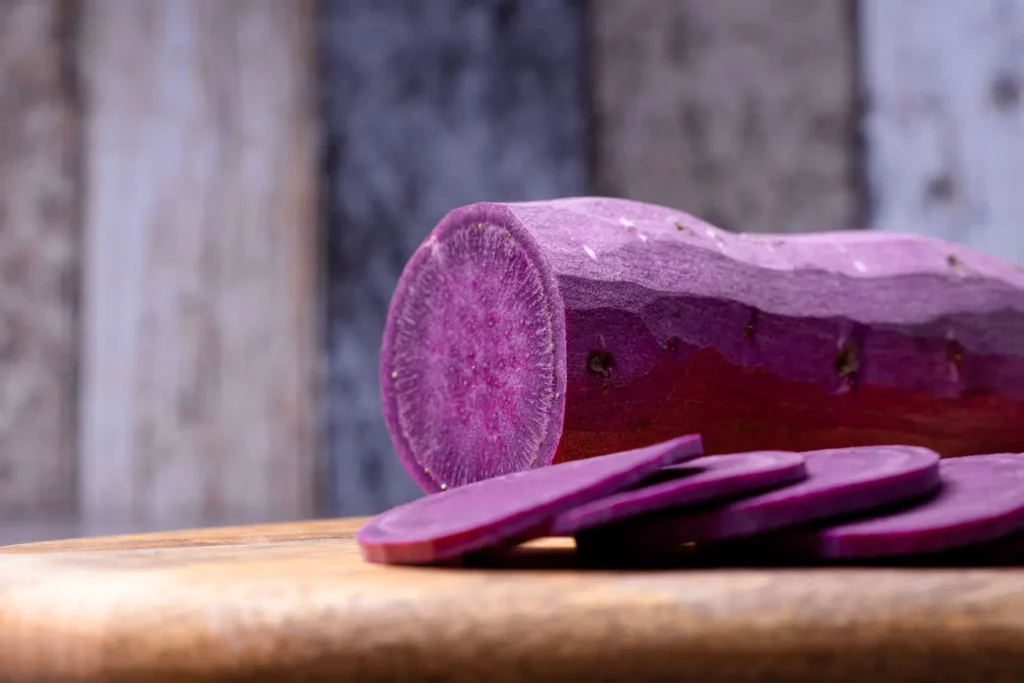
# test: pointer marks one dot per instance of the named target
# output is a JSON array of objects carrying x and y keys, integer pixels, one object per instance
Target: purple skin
[
  {"x": 488, "y": 361},
  {"x": 699, "y": 481},
  {"x": 981, "y": 500},
  {"x": 839, "y": 481},
  {"x": 514, "y": 506}
]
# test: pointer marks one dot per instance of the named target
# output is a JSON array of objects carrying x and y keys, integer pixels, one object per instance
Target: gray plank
[
  {"x": 428, "y": 106},
  {"x": 39, "y": 238},
  {"x": 945, "y": 126},
  {"x": 742, "y": 112}
]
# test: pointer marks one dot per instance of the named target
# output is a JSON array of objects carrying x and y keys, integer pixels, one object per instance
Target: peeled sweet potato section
[{"x": 522, "y": 335}]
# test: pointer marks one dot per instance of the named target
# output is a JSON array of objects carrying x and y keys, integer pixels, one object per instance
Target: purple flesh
[
  {"x": 981, "y": 499},
  {"x": 699, "y": 481},
  {"x": 839, "y": 481},
  {"x": 516, "y": 506}
]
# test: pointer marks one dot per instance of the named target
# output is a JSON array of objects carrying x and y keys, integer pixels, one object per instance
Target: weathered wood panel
[
  {"x": 428, "y": 106},
  {"x": 945, "y": 119},
  {"x": 38, "y": 260},
  {"x": 741, "y": 112},
  {"x": 199, "y": 280}
]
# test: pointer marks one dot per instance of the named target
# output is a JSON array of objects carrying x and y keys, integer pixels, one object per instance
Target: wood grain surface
[
  {"x": 296, "y": 602},
  {"x": 39, "y": 239},
  {"x": 945, "y": 122},
  {"x": 743, "y": 113},
  {"x": 200, "y": 274},
  {"x": 427, "y": 106}
]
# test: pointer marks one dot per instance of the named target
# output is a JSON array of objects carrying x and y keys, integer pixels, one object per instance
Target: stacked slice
[{"x": 832, "y": 504}]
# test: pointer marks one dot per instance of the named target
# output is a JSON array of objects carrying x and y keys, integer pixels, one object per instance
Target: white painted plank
[
  {"x": 945, "y": 119},
  {"x": 199, "y": 277}
]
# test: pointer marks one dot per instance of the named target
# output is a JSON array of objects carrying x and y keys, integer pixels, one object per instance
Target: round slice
[
  {"x": 981, "y": 499},
  {"x": 706, "y": 479},
  {"x": 839, "y": 481},
  {"x": 516, "y": 506}
]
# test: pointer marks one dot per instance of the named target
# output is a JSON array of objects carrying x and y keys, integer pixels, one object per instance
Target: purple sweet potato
[
  {"x": 839, "y": 481},
  {"x": 515, "y": 506},
  {"x": 981, "y": 499},
  {"x": 522, "y": 335},
  {"x": 707, "y": 479}
]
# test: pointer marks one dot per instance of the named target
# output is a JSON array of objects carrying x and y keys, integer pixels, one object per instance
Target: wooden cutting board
[{"x": 296, "y": 602}]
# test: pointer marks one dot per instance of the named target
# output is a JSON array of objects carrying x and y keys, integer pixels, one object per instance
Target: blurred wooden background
[{"x": 204, "y": 206}]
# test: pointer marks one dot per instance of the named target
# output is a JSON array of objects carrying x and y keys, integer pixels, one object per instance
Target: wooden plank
[
  {"x": 428, "y": 106},
  {"x": 296, "y": 602},
  {"x": 38, "y": 260},
  {"x": 945, "y": 122},
  {"x": 200, "y": 278},
  {"x": 740, "y": 112}
]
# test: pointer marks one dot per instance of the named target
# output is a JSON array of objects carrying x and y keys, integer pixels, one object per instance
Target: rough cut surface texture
[
  {"x": 531, "y": 333},
  {"x": 516, "y": 506},
  {"x": 981, "y": 499}
]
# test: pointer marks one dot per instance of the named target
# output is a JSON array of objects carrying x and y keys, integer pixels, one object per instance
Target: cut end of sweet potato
[{"x": 473, "y": 368}]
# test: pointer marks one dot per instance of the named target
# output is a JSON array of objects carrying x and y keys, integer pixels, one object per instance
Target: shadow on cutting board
[{"x": 562, "y": 554}]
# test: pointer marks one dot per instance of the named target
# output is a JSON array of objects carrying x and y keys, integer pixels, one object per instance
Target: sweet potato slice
[
  {"x": 515, "y": 506},
  {"x": 706, "y": 479}
]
